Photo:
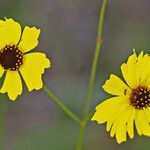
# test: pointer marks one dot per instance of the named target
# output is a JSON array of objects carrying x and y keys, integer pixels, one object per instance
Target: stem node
[{"x": 86, "y": 114}]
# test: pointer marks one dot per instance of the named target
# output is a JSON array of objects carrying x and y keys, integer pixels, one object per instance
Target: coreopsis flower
[
  {"x": 16, "y": 60},
  {"x": 129, "y": 108}
]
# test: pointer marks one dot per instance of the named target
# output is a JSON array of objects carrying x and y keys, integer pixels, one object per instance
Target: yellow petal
[
  {"x": 10, "y": 32},
  {"x": 122, "y": 119},
  {"x": 29, "y": 39},
  {"x": 137, "y": 125},
  {"x": 1, "y": 71},
  {"x": 33, "y": 68},
  {"x": 121, "y": 125},
  {"x": 117, "y": 112},
  {"x": 116, "y": 86},
  {"x": 121, "y": 133},
  {"x": 147, "y": 113},
  {"x": 12, "y": 85},
  {"x": 130, "y": 124},
  {"x": 129, "y": 71},
  {"x": 143, "y": 122},
  {"x": 105, "y": 109},
  {"x": 143, "y": 72},
  {"x": 135, "y": 71}
]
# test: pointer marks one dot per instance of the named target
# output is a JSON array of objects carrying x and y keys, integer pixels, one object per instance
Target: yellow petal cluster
[
  {"x": 120, "y": 116},
  {"x": 34, "y": 63}
]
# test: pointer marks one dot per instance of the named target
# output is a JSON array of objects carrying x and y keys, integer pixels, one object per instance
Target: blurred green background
[{"x": 69, "y": 29}]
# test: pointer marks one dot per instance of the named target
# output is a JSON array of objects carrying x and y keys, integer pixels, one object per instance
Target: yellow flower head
[
  {"x": 130, "y": 105},
  {"x": 16, "y": 61}
]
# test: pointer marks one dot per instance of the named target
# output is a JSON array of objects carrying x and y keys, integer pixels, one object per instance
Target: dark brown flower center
[
  {"x": 11, "y": 58},
  {"x": 140, "y": 98}
]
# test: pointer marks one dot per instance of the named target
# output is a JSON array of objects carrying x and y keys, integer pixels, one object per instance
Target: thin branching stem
[
  {"x": 86, "y": 114},
  {"x": 96, "y": 58},
  {"x": 61, "y": 105}
]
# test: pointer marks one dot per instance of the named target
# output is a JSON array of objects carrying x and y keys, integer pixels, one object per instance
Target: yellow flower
[
  {"x": 130, "y": 105},
  {"x": 15, "y": 59}
]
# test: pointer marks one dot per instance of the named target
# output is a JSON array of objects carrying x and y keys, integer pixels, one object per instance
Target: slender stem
[
  {"x": 61, "y": 105},
  {"x": 88, "y": 117},
  {"x": 80, "y": 138},
  {"x": 96, "y": 58},
  {"x": 86, "y": 114}
]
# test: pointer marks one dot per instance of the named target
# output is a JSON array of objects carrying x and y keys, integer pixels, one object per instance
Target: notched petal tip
[
  {"x": 141, "y": 54},
  {"x": 8, "y": 18},
  {"x": 35, "y": 30},
  {"x": 28, "y": 69},
  {"x": 121, "y": 142},
  {"x": 107, "y": 82},
  {"x": 115, "y": 86},
  {"x": 29, "y": 39},
  {"x": 12, "y": 98},
  {"x": 47, "y": 61},
  {"x": 133, "y": 50}
]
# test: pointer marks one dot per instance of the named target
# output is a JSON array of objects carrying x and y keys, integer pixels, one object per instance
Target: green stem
[
  {"x": 80, "y": 138},
  {"x": 81, "y": 131},
  {"x": 61, "y": 105},
  {"x": 86, "y": 114},
  {"x": 96, "y": 58}
]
